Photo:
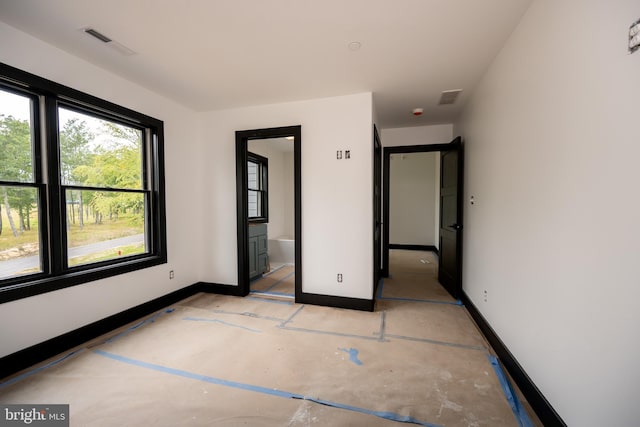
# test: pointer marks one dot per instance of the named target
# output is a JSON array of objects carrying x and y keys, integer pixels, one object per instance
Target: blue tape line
[
  {"x": 512, "y": 397},
  {"x": 280, "y": 294},
  {"x": 73, "y": 353},
  {"x": 295, "y": 313},
  {"x": 383, "y": 325},
  {"x": 431, "y": 301},
  {"x": 429, "y": 341},
  {"x": 337, "y": 334},
  {"x": 280, "y": 281},
  {"x": 353, "y": 355},
  {"x": 379, "y": 296},
  {"x": 138, "y": 325},
  {"x": 272, "y": 301},
  {"x": 200, "y": 319},
  {"x": 274, "y": 270},
  {"x": 258, "y": 389},
  {"x": 40, "y": 368},
  {"x": 249, "y": 314}
]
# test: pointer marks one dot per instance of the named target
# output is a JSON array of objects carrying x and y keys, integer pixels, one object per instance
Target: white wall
[
  {"x": 288, "y": 171},
  {"x": 337, "y": 211},
  {"x": 413, "y": 194},
  {"x": 419, "y": 135},
  {"x": 552, "y": 146},
  {"x": 32, "y": 320}
]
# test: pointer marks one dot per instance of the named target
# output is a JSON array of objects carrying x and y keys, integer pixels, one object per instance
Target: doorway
[
  {"x": 256, "y": 209},
  {"x": 450, "y": 211}
]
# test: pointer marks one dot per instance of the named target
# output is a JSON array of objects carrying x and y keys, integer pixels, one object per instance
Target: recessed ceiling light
[{"x": 354, "y": 46}]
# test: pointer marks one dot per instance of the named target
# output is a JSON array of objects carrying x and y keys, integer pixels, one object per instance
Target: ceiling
[{"x": 218, "y": 54}]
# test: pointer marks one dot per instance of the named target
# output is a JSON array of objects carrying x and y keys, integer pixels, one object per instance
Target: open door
[
  {"x": 450, "y": 251},
  {"x": 377, "y": 209}
]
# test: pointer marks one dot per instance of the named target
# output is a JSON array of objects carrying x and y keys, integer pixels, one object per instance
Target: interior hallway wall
[
  {"x": 32, "y": 320},
  {"x": 337, "y": 211},
  {"x": 413, "y": 195},
  {"x": 421, "y": 135},
  {"x": 551, "y": 137}
]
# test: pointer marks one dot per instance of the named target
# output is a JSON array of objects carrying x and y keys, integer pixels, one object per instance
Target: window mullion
[{"x": 55, "y": 194}]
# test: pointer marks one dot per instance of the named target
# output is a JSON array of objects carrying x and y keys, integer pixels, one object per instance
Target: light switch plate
[{"x": 634, "y": 36}]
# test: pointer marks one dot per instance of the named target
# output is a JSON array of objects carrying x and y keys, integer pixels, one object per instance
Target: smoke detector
[{"x": 417, "y": 111}]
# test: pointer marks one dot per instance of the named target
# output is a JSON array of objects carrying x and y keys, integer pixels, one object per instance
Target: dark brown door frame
[
  {"x": 242, "y": 139},
  {"x": 456, "y": 144}
]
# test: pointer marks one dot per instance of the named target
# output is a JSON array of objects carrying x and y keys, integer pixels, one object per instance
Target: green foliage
[
  {"x": 74, "y": 141},
  {"x": 93, "y": 153},
  {"x": 15, "y": 150}
]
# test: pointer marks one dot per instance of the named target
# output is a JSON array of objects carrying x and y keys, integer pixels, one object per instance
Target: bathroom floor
[{"x": 279, "y": 282}]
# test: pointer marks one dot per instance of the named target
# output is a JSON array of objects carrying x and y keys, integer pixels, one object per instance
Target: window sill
[{"x": 40, "y": 285}]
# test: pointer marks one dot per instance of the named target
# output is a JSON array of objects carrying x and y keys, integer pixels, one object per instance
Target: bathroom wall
[{"x": 279, "y": 151}]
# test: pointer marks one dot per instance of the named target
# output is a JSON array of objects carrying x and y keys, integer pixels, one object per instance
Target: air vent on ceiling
[
  {"x": 449, "y": 97},
  {"x": 97, "y": 35},
  {"x": 108, "y": 41}
]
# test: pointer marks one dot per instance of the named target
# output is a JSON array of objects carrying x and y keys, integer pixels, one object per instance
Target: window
[
  {"x": 81, "y": 187},
  {"x": 258, "y": 185}
]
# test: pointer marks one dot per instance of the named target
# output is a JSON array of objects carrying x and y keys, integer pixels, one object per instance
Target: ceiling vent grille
[
  {"x": 97, "y": 35},
  {"x": 109, "y": 42},
  {"x": 449, "y": 97}
]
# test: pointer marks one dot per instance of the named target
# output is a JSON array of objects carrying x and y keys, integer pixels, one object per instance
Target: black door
[
  {"x": 377, "y": 208},
  {"x": 450, "y": 251}
]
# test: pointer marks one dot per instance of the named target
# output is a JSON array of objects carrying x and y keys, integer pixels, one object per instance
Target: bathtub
[{"x": 282, "y": 250}]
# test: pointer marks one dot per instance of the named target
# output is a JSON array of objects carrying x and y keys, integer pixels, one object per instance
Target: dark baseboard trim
[
  {"x": 333, "y": 301},
  {"x": 35, "y": 354},
  {"x": 536, "y": 399},
  {"x": 30, "y": 356},
  {"x": 427, "y": 248},
  {"x": 217, "y": 288}
]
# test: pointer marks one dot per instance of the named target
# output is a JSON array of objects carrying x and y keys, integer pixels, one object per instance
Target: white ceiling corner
[{"x": 217, "y": 54}]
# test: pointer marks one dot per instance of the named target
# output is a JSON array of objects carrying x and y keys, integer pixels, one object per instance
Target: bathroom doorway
[{"x": 269, "y": 212}]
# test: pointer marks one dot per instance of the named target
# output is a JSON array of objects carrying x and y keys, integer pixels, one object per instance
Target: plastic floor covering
[{"x": 214, "y": 360}]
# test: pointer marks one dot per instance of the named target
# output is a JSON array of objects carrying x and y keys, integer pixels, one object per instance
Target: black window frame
[
  {"x": 56, "y": 274},
  {"x": 263, "y": 190}
]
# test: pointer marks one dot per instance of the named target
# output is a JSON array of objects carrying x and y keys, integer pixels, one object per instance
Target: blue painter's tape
[
  {"x": 40, "y": 368},
  {"x": 265, "y": 390},
  {"x": 200, "y": 319},
  {"x": 512, "y": 397},
  {"x": 139, "y": 324},
  {"x": 380, "y": 297},
  {"x": 272, "y": 301},
  {"x": 383, "y": 325},
  {"x": 353, "y": 355},
  {"x": 431, "y": 301},
  {"x": 280, "y": 281},
  {"x": 295, "y": 313},
  {"x": 281, "y": 294},
  {"x": 380, "y": 288},
  {"x": 73, "y": 353}
]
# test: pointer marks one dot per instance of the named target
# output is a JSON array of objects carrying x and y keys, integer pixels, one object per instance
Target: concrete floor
[{"x": 215, "y": 360}]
